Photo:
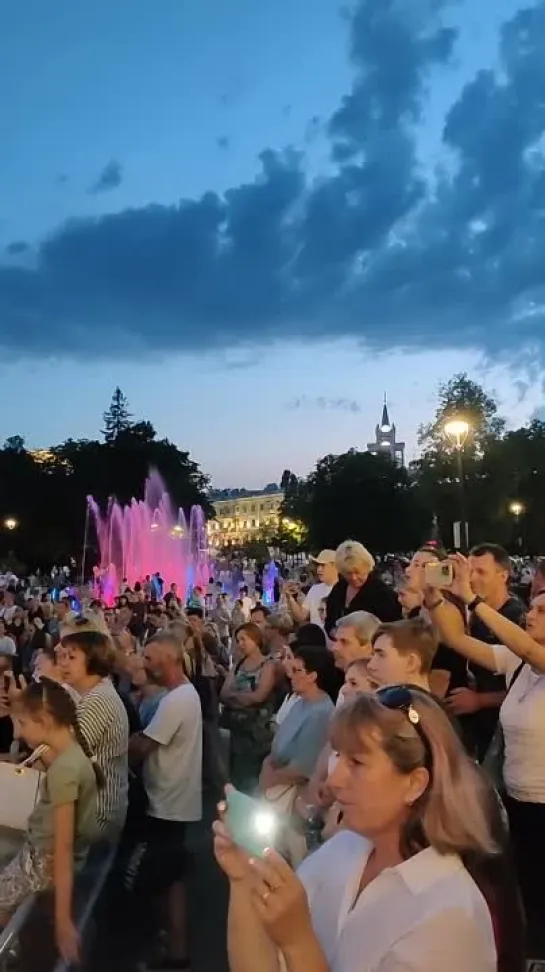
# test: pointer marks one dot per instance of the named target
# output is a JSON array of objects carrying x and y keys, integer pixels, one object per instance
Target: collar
[{"x": 426, "y": 868}]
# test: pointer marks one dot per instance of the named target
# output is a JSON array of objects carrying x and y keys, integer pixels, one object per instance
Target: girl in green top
[{"x": 63, "y": 822}]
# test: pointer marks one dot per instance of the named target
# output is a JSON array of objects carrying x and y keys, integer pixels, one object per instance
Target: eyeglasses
[{"x": 399, "y": 697}]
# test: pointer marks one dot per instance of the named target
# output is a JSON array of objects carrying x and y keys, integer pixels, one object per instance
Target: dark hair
[
  {"x": 51, "y": 697},
  {"x": 499, "y": 554},
  {"x": 412, "y": 636},
  {"x": 253, "y": 631},
  {"x": 310, "y": 634},
  {"x": 194, "y": 611},
  {"x": 319, "y": 660},
  {"x": 265, "y": 611},
  {"x": 97, "y": 647}
]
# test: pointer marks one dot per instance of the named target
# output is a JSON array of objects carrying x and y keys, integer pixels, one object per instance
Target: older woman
[
  {"x": 400, "y": 888},
  {"x": 87, "y": 661},
  {"x": 359, "y": 588},
  {"x": 302, "y": 734},
  {"x": 248, "y": 700}
]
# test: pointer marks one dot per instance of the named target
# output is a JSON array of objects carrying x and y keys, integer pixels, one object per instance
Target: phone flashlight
[{"x": 253, "y": 825}]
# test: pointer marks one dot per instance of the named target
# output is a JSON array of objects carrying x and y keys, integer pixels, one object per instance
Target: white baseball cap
[{"x": 325, "y": 557}]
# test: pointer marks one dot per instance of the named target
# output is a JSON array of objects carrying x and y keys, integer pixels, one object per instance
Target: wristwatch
[{"x": 474, "y": 604}]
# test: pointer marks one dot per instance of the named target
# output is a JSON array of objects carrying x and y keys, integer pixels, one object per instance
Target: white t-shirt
[
  {"x": 522, "y": 718},
  {"x": 426, "y": 914},
  {"x": 173, "y": 771},
  {"x": 313, "y": 601},
  {"x": 247, "y": 605},
  {"x": 8, "y": 613},
  {"x": 7, "y": 646}
]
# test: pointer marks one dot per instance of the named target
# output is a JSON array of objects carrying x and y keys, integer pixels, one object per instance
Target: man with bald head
[{"x": 170, "y": 749}]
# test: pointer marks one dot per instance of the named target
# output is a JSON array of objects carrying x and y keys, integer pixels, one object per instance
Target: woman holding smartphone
[{"x": 400, "y": 889}]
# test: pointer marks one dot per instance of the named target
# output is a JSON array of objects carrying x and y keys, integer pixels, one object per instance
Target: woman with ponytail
[{"x": 63, "y": 823}]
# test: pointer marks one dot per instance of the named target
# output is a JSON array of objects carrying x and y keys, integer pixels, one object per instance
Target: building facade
[
  {"x": 241, "y": 519},
  {"x": 386, "y": 439}
]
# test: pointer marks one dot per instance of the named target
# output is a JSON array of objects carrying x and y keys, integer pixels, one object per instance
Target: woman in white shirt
[
  {"x": 521, "y": 658},
  {"x": 393, "y": 894}
]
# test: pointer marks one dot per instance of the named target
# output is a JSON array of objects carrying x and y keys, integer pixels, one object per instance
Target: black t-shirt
[{"x": 478, "y": 727}]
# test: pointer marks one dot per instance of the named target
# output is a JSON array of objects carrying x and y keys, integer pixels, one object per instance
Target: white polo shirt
[
  {"x": 173, "y": 771},
  {"x": 425, "y": 915}
]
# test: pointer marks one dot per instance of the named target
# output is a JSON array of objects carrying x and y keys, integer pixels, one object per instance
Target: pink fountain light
[{"x": 149, "y": 536}]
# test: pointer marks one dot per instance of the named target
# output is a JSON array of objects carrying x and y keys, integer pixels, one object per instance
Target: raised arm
[
  {"x": 507, "y": 632},
  {"x": 449, "y": 624}
]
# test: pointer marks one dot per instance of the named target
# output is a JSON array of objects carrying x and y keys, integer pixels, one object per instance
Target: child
[{"x": 63, "y": 822}]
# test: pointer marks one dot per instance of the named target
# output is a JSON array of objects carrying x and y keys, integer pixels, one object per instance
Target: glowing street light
[
  {"x": 11, "y": 523},
  {"x": 516, "y": 508},
  {"x": 457, "y": 431}
]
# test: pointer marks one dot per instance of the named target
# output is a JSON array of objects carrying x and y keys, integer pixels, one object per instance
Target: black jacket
[{"x": 375, "y": 597}]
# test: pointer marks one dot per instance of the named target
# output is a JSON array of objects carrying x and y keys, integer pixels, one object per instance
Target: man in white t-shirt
[
  {"x": 171, "y": 750},
  {"x": 313, "y": 607}
]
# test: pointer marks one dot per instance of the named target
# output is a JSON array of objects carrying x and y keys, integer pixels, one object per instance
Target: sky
[{"x": 259, "y": 219}]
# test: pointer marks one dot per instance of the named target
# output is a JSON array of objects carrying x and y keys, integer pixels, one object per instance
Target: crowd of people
[{"x": 395, "y": 726}]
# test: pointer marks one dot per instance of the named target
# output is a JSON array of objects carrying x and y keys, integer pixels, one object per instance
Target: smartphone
[
  {"x": 7, "y": 683},
  {"x": 253, "y": 824},
  {"x": 439, "y": 574}
]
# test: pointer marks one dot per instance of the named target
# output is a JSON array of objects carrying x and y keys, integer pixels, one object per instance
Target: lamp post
[
  {"x": 516, "y": 508},
  {"x": 457, "y": 431}
]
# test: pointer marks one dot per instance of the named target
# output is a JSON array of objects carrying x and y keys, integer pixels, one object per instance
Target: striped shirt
[{"x": 104, "y": 724}]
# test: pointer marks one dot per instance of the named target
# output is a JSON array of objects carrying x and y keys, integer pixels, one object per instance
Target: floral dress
[{"x": 251, "y": 730}]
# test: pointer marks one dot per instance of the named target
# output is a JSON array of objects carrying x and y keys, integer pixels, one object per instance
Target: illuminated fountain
[{"x": 149, "y": 536}]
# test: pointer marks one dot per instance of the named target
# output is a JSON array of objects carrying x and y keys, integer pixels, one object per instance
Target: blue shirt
[{"x": 302, "y": 735}]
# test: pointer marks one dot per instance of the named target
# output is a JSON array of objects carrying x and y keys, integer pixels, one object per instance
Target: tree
[
  {"x": 465, "y": 399},
  {"x": 360, "y": 496},
  {"x": 118, "y": 418},
  {"x": 436, "y": 472},
  {"x": 15, "y": 443}
]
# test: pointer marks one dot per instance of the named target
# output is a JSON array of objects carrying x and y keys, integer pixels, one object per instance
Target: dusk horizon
[{"x": 256, "y": 246}]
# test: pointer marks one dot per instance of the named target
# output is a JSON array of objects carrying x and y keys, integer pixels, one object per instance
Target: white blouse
[
  {"x": 522, "y": 718},
  {"x": 425, "y": 915}
]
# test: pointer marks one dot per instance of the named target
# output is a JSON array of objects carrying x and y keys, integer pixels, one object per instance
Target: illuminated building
[
  {"x": 386, "y": 443},
  {"x": 241, "y": 519}
]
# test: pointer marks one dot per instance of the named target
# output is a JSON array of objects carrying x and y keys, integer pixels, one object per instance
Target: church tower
[{"x": 386, "y": 440}]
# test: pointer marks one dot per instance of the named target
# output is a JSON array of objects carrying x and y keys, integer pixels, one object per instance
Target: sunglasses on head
[{"x": 399, "y": 698}]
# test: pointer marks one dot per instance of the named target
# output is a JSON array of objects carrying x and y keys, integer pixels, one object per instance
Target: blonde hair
[
  {"x": 453, "y": 813},
  {"x": 351, "y": 553}
]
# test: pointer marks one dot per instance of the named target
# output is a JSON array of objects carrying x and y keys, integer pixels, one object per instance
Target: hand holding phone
[
  {"x": 439, "y": 574},
  {"x": 253, "y": 824}
]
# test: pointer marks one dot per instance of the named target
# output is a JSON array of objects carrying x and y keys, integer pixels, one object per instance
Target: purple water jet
[{"x": 150, "y": 536}]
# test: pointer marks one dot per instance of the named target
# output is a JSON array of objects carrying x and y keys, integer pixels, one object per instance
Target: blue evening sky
[{"x": 116, "y": 106}]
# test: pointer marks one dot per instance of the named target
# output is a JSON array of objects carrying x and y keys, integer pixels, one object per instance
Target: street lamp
[
  {"x": 457, "y": 431},
  {"x": 516, "y": 508},
  {"x": 11, "y": 523}
]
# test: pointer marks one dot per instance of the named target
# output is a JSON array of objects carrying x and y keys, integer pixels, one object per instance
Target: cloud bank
[
  {"x": 324, "y": 404},
  {"x": 376, "y": 251}
]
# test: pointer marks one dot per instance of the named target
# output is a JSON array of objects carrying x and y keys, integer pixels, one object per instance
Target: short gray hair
[
  {"x": 350, "y": 553},
  {"x": 169, "y": 639},
  {"x": 364, "y": 624}
]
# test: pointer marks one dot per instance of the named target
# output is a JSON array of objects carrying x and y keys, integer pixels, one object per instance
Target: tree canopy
[{"x": 46, "y": 491}]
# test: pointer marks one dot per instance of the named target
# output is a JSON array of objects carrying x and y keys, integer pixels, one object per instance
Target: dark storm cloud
[
  {"x": 110, "y": 178},
  {"x": 373, "y": 251},
  {"x": 16, "y": 248}
]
